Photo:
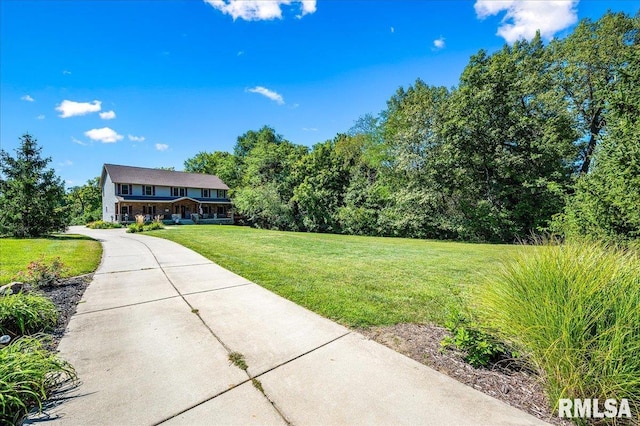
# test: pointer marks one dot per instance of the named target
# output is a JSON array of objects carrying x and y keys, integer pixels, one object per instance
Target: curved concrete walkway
[{"x": 152, "y": 336}]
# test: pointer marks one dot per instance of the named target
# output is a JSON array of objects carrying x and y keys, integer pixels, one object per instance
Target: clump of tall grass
[
  {"x": 574, "y": 312},
  {"x": 28, "y": 375},
  {"x": 99, "y": 224},
  {"x": 26, "y": 314}
]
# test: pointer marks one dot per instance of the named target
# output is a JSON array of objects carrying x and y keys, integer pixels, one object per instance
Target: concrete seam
[
  {"x": 126, "y": 306},
  {"x": 227, "y": 348}
]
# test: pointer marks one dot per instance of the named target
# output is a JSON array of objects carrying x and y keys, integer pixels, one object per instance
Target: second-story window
[
  {"x": 124, "y": 189},
  {"x": 206, "y": 193},
  {"x": 148, "y": 190},
  {"x": 178, "y": 192}
]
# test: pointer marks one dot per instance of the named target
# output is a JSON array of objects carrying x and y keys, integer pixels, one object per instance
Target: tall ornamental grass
[{"x": 574, "y": 312}]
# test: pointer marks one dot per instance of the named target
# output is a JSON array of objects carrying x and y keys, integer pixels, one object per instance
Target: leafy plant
[
  {"x": 42, "y": 274},
  {"x": 480, "y": 348},
  {"x": 28, "y": 375},
  {"x": 26, "y": 314},
  {"x": 574, "y": 312},
  {"x": 135, "y": 227},
  {"x": 99, "y": 224}
]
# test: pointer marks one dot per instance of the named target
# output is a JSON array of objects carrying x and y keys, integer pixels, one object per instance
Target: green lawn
[
  {"x": 80, "y": 254},
  {"x": 358, "y": 281}
]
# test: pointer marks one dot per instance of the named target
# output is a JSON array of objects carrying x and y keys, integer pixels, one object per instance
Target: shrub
[
  {"x": 135, "y": 227},
  {"x": 574, "y": 311},
  {"x": 480, "y": 348},
  {"x": 99, "y": 224},
  {"x": 26, "y": 314},
  {"x": 41, "y": 274},
  {"x": 153, "y": 226},
  {"x": 28, "y": 375}
]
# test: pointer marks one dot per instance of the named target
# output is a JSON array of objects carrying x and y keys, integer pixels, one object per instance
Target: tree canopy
[{"x": 31, "y": 196}]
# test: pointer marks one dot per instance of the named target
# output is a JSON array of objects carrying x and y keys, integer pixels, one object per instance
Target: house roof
[{"x": 145, "y": 176}]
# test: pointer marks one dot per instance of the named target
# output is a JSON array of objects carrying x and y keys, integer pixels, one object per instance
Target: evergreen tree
[{"x": 31, "y": 197}]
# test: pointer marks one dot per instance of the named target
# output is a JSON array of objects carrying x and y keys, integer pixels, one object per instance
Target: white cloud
[
  {"x": 27, "y": 98},
  {"x": 136, "y": 138},
  {"x": 40, "y": 117},
  {"x": 108, "y": 115},
  {"x": 393, "y": 30},
  {"x": 66, "y": 163},
  {"x": 274, "y": 96},
  {"x": 439, "y": 43},
  {"x": 257, "y": 10},
  {"x": 524, "y": 17},
  {"x": 79, "y": 142},
  {"x": 71, "y": 108},
  {"x": 309, "y": 129},
  {"x": 104, "y": 135},
  {"x": 162, "y": 146},
  {"x": 66, "y": 72}
]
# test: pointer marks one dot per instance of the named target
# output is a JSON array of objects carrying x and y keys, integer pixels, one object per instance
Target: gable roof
[{"x": 145, "y": 176}]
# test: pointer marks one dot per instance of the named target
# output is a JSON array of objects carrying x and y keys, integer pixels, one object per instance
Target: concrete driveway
[{"x": 152, "y": 336}]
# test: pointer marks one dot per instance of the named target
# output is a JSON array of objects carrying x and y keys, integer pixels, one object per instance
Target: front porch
[{"x": 184, "y": 211}]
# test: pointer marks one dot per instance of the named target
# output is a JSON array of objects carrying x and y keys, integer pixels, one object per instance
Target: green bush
[
  {"x": 153, "y": 226},
  {"x": 26, "y": 314},
  {"x": 28, "y": 375},
  {"x": 99, "y": 224},
  {"x": 135, "y": 227},
  {"x": 480, "y": 348},
  {"x": 574, "y": 312}
]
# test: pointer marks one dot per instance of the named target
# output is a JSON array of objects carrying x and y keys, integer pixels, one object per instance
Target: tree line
[{"x": 534, "y": 138}]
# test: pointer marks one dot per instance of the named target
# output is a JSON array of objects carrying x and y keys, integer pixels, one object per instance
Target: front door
[{"x": 183, "y": 211}]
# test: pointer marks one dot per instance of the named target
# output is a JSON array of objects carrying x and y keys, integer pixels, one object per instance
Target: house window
[
  {"x": 178, "y": 192},
  {"x": 206, "y": 193},
  {"x": 124, "y": 189},
  {"x": 148, "y": 190},
  {"x": 222, "y": 193}
]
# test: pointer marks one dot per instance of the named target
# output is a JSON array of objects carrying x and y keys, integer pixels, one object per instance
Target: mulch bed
[
  {"x": 507, "y": 383},
  {"x": 66, "y": 295}
]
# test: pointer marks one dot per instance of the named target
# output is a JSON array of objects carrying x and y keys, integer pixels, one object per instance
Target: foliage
[
  {"x": 574, "y": 312},
  {"x": 99, "y": 224},
  {"x": 355, "y": 280},
  {"x": 480, "y": 348},
  {"x": 41, "y": 273},
  {"x": 81, "y": 254},
  {"x": 30, "y": 196},
  {"x": 28, "y": 375},
  {"x": 139, "y": 225},
  {"x": 607, "y": 199},
  {"x": 22, "y": 314},
  {"x": 84, "y": 203},
  {"x": 493, "y": 159},
  {"x": 585, "y": 70}
]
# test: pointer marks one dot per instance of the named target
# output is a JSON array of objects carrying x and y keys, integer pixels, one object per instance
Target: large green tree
[
  {"x": 31, "y": 196},
  {"x": 84, "y": 202},
  {"x": 510, "y": 144},
  {"x": 219, "y": 163},
  {"x": 586, "y": 68},
  {"x": 606, "y": 203}
]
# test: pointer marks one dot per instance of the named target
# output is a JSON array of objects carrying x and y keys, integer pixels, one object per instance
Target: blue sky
[{"x": 152, "y": 83}]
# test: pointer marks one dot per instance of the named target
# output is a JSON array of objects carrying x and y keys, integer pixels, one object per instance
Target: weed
[
  {"x": 195, "y": 311},
  {"x": 28, "y": 375},
  {"x": 238, "y": 360},
  {"x": 258, "y": 385},
  {"x": 480, "y": 348},
  {"x": 26, "y": 313}
]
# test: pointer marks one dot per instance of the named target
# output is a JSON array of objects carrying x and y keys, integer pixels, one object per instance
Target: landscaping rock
[{"x": 11, "y": 288}]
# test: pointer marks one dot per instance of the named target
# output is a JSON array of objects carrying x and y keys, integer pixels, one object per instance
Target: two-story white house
[{"x": 129, "y": 191}]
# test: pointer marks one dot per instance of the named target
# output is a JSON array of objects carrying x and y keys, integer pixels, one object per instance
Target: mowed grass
[
  {"x": 80, "y": 254},
  {"x": 357, "y": 281}
]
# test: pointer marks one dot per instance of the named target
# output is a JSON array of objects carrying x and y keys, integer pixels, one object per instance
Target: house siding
[{"x": 108, "y": 199}]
